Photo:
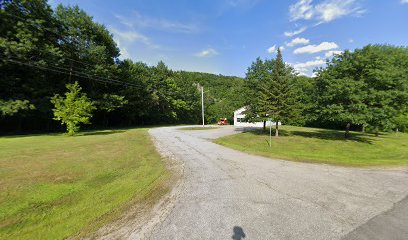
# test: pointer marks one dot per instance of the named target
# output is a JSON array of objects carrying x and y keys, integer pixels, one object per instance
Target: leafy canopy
[
  {"x": 74, "y": 109},
  {"x": 10, "y": 107},
  {"x": 367, "y": 87}
]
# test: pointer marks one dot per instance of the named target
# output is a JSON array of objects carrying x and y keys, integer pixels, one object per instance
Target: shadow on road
[{"x": 238, "y": 233}]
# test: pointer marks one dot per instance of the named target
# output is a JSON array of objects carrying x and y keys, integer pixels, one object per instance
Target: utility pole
[
  {"x": 202, "y": 103},
  {"x": 270, "y": 132}
]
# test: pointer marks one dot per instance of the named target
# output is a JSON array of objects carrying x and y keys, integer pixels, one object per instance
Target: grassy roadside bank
[
  {"x": 324, "y": 146},
  {"x": 54, "y": 186}
]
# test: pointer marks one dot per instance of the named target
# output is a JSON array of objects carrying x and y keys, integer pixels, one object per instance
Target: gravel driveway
[{"x": 227, "y": 194}]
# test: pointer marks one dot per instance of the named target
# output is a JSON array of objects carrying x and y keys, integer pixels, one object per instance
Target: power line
[
  {"x": 49, "y": 30},
  {"x": 75, "y": 66},
  {"x": 74, "y": 74},
  {"x": 113, "y": 79},
  {"x": 70, "y": 71}
]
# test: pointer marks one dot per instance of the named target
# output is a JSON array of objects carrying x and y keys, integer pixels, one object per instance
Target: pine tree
[{"x": 276, "y": 95}]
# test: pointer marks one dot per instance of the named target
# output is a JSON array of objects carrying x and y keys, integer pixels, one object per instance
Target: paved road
[{"x": 227, "y": 194}]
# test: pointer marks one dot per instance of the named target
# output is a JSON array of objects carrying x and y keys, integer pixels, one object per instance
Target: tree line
[
  {"x": 43, "y": 51},
  {"x": 364, "y": 89}
]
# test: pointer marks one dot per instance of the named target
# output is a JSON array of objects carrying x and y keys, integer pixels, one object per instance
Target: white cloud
[
  {"x": 271, "y": 49},
  {"x": 131, "y": 36},
  {"x": 308, "y": 64},
  {"x": 324, "y": 46},
  {"x": 333, "y": 9},
  {"x": 274, "y": 49},
  {"x": 296, "y": 32},
  {"x": 306, "y": 68},
  {"x": 298, "y": 41},
  {"x": 207, "y": 53},
  {"x": 326, "y": 11},
  {"x": 404, "y": 1},
  {"x": 124, "y": 54},
  {"x": 303, "y": 9},
  {"x": 331, "y": 53},
  {"x": 139, "y": 21}
]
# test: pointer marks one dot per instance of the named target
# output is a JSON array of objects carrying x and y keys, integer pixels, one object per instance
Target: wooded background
[{"x": 43, "y": 49}]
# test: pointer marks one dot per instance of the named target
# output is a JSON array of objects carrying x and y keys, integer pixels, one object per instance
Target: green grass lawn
[
  {"x": 324, "y": 146},
  {"x": 198, "y": 128},
  {"x": 54, "y": 186}
]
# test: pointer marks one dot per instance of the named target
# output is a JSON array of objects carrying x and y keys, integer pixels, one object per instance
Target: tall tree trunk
[
  {"x": 277, "y": 129},
  {"x": 363, "y": 128},
  {"x": 347, "y": 133},
  {"x": 264, "y": 125}
]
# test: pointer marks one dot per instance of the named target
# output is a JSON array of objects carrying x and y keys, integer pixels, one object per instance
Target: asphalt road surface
[{"x": 227, "y": 194}]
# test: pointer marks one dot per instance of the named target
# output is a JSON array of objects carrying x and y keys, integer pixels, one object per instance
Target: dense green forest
[{"x": 44, "y": 49}]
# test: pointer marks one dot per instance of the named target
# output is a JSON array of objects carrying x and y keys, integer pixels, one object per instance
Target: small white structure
[{"x": 239, "y": 120}]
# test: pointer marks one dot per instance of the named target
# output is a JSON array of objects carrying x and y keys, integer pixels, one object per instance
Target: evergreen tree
[{"x": 274, "y": 96}]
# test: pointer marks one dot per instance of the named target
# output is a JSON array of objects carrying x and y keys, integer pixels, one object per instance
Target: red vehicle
[{"x": 223, "y": 121}]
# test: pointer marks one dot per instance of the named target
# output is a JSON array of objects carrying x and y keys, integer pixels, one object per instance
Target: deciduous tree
[{"x": 74, "y": 109}]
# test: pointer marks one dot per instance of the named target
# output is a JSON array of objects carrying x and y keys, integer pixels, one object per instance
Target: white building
[{"x": 239, "y": 120}]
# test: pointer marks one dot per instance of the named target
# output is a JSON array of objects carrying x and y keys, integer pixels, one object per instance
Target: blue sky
[{"x": 225, "y": 36}]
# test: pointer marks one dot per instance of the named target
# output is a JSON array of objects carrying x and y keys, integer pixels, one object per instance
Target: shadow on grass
[
  {"x": 324, "y": 134},
  {"x": 103, "y": 132}
]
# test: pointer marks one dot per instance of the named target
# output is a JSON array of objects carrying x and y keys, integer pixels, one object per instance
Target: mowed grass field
[
  {"x": 324, "y": 146},
  {"x": 54, "y": 186}
]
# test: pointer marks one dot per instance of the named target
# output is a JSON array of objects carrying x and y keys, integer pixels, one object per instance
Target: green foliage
[
  {"x": 10, "y": 107},
  {"x": 46, "y": 42},
  {"x": 304, "y": 90},
  {"x": 367, "y": 87},
  {"x": 42, "y": 49},
  {"x": 110, "y": 102},
  {"x": 272, "y": 93},
  {"x": 401, "y": 122},
  {"x": 74, "y": 109},
  {"x": 222, "y": 94},
  {"x": 27, "y": 35}
]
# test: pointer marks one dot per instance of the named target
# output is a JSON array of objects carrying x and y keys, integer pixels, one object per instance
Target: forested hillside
[
  {"x": 223, "y": 94},
  {"x": 44, "y": 49}
]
